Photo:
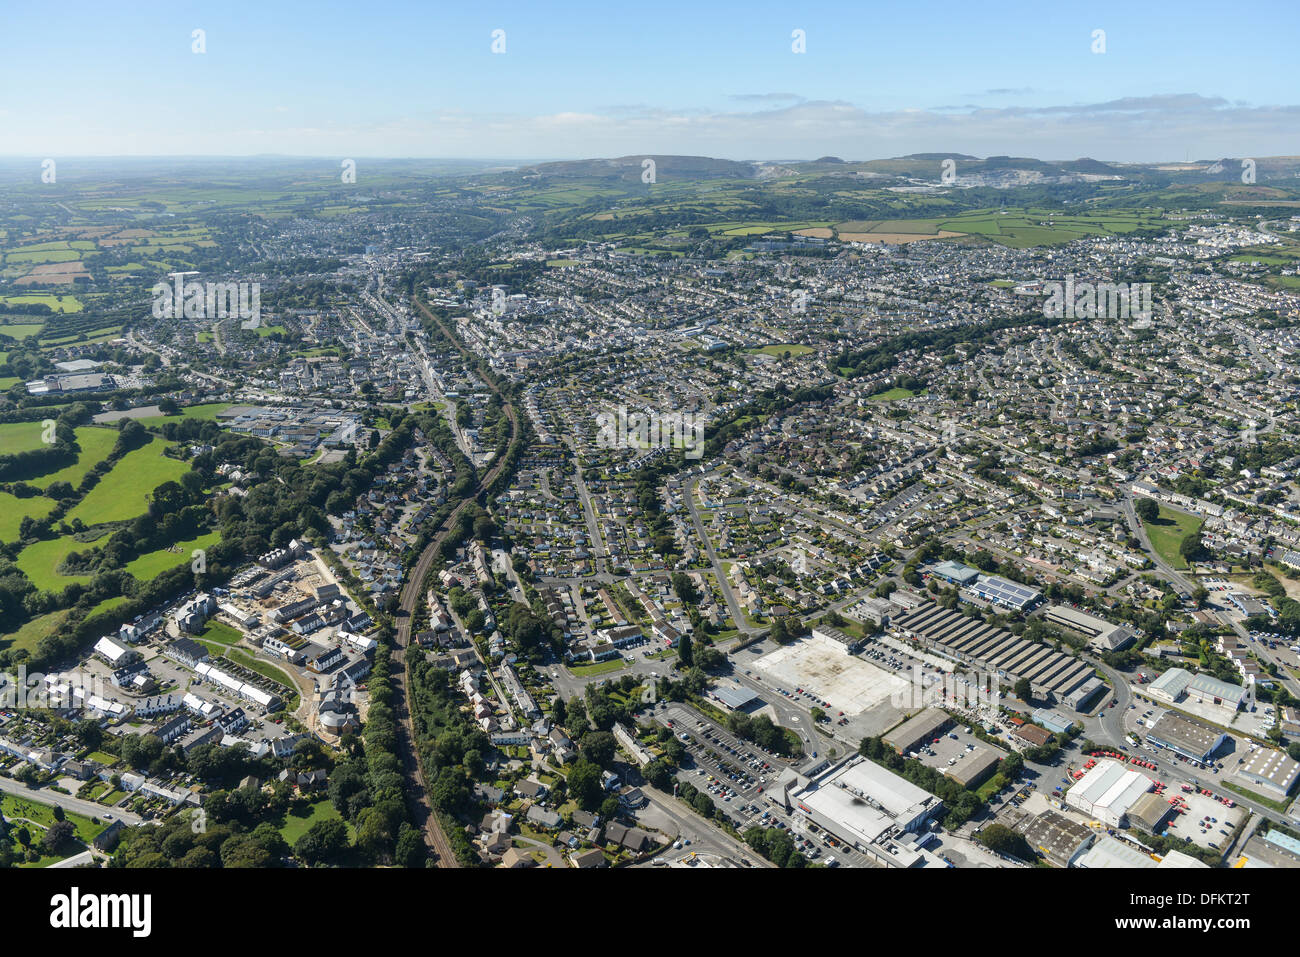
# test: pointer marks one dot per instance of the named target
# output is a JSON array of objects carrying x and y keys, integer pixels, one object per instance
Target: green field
[
  {"x": 598, "y": 668},
  {"x": 13, "y": 510},
  {"x": 889, "y": 395},
  {"x": 149, "y": 566},
  {"x": 294, "y": 825},
  {"x": 56, "y": 301},
  {"x": 39, "y": 560},
  {"x": 1168, "y": 531},
  {"x": 124, "y": 492},
  {"x": 780, "y": 350},
  {"x": 21, "y": 330},
  {"x": 222, "y": 634},
  {"x": 30, "y": 634},
  {"x": 96, "y": 444},
  {"x": 20, "y": 437}
]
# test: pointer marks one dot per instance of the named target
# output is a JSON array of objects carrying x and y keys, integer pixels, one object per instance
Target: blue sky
[{"x": 412, "y": 79}]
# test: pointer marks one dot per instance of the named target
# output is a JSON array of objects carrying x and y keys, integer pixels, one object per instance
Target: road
[
  {"x": 417, "y": 789},
  {"x": 68, "y": 802}
]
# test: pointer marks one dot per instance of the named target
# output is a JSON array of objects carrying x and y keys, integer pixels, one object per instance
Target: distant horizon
[
  {"x": 582, "y": 79},
  {"x": 577, "y": 158}
]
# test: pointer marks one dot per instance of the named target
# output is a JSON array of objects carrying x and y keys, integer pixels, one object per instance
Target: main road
[{"x": 417, "y": 784}]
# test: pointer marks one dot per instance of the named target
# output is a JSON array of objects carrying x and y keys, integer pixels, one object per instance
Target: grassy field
[
  {"x": 780, "y": 350},
  {"x": 889, "y": 395},
  {"x": 1168, "y": 531},
  {"x": 294, "y": 826},
  {"x": 13, "y": 510},
  {"x": 39, "y": 560},
  {"x": 124, "y": 492},
  {"x": 222, "y": 634},
  {"x": 96, "y": 444},
  {"x": 598, "y": 668},
  {"x": 32, "y": 632},
  {"x": 149, "y": 566},
  {"x": 21, "y": 437}
]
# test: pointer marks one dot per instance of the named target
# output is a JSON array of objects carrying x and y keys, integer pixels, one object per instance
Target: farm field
[
  {"x": 39, "y": 561},
  {"x": 149, "y": 566},
  {"x": 13, "y": 510},
  {"x": 20, "y": 437},
  {"x": 123, "y": 493},
  {"x": 30, "y": 634},
  {"x": 96, "y": 444}
]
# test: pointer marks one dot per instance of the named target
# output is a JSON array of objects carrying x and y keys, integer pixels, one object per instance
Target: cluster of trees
[
  {"x": 452, "y": 750},
  {"x": 776, "y": 845},
  {"x": 1002, "y": 840},
  {"x": 882, "y": 357},
  {"x": 765, "y": 733}
]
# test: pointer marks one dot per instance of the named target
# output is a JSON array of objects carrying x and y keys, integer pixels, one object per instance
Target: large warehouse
[
  {"x": 1107, "y": 791},
  {"x": 1273, "y": 773},
  {"x": 1102, "y": 635},
  {"x": 859, "y": 802},
  {"x": 915, "y": 731},
  {"x": 1052, "y": 673},
  {"x": 1183, "y": 736}
]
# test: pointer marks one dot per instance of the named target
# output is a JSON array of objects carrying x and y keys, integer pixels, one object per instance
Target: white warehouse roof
[{"x": 1108, "y": 787}]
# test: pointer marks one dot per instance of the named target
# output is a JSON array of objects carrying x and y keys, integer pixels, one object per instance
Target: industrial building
[
  {"x": 1107, "y": 851},
  {"x": 1058, "y": 838},
  {"x": 974, "y": 766},
  {"x": 1107, "y": 791},
  {"x": 1150, "y": 812},
  {"x": 1191, "y": 739},
  {"x": 916, "y": 731},
  {"x": 863, "y": 804},
  {"x": 1053, "y": 674},
  {"x": 1053, "y": 721},
  {"x": 1171, "y": 685},
  {"x": 990, "y": 588},
  {"x": 1102, "y": 635},
  {"x": 1272, "y": 773},
  {"x": 847, "y": 642},
  {"x": 1178, "y": 684}
]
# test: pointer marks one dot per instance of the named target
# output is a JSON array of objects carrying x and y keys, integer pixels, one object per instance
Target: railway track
[{"x": 417, "y": 787}]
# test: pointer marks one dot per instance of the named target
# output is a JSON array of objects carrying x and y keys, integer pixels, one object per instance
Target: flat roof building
[
  {"x": 1106, "y": 792},
  {"x": 974, "y": 766},
  {"x": 921, "y": 728},
  {"x": 1102, "y": 635},
  {"x": 1106, "y": 851},
  {"x": 862, "y": 803},
  {"x": 1191, "y": 739},
  {"x": 1150, "y": 812},
  {"x": 1058, "y": 838},
  {"x": 1272, "y": 771}
]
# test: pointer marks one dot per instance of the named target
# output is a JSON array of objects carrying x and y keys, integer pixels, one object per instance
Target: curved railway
[{"x": 416, "y": 784}]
